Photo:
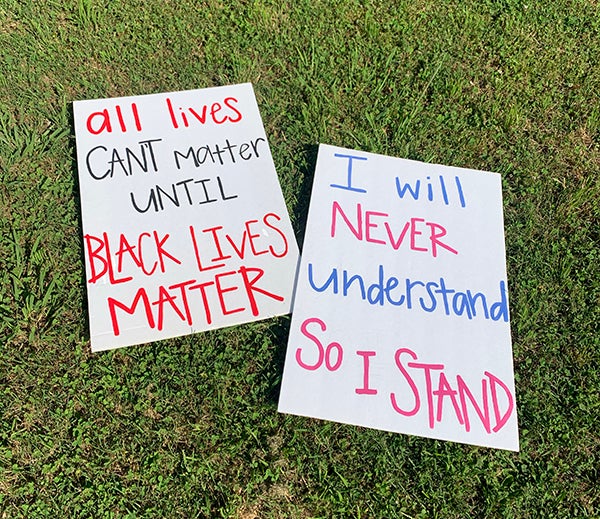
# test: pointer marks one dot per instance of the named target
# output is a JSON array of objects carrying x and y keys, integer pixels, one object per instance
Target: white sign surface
[
  {"x": 184, "y": 224},
  {"x": 401, "y": 318}
]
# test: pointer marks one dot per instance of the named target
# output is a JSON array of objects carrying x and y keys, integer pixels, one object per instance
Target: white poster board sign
[
  {"x": 401, "y": 318},
  {"x": 184, "y": 224}
]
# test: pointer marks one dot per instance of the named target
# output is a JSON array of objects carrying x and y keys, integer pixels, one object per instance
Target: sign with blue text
[
  {"x": 401, "y": 317},
  {"x": 185, "y": 227}
]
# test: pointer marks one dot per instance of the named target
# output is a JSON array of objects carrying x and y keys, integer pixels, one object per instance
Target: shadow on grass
[
  {"x": 281, "y": 326},
  {"x": 77, "y": 198},
  {"x": 307, "y": 169}
]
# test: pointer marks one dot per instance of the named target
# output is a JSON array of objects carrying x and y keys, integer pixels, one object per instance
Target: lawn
[{"x": 189, "y": 427}]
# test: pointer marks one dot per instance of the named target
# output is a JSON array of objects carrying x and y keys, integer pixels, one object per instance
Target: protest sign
[
  {"x": 184, "y": 224},
  {"x": 401, "y": 318}
]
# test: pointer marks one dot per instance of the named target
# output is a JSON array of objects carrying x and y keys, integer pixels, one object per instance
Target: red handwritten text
[
  {"x": 457, "y": 396},
  {"x": 375, "y": 227},
  {"x": 218, "y": 113},
  {"x": 427, "y": 385},
  {"x": 102, "y": 121},
  {"x": 146, "y": 253},
  {"x": 214, "y": 246}
]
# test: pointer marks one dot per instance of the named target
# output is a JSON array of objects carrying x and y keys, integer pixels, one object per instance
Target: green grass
[{"x": 188, "y": 427}]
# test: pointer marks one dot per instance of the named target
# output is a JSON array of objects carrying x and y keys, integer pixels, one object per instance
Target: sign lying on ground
[
  {"x": 401, "y": 318},
  {"x": 184, "y": 224}
]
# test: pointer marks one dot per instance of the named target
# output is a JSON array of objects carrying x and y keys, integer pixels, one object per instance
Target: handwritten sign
[
  {"x": 401, "y": 318},
  {"x": 184, "y": 224}
]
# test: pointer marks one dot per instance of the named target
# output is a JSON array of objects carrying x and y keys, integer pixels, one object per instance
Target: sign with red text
[
  {"x": 184, "y": 224},
  {"x": 401, "y": 318}
]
